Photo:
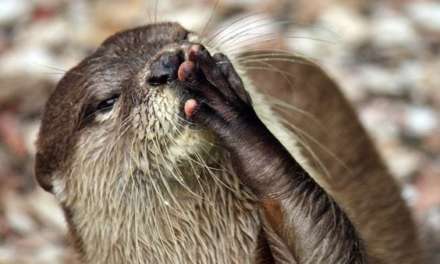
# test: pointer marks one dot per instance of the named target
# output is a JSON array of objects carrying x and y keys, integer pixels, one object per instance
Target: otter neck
[{"x": 210, "y": 218}]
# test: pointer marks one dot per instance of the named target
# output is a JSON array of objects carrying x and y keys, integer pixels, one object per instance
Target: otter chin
[{"x": 161, "y": 149}]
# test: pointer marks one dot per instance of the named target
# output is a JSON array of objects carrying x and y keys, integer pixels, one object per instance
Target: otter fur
[{"x": 241, "y": 181}]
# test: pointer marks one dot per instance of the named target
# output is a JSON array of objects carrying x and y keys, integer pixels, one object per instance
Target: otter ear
[{"x": 43, "y": 172}]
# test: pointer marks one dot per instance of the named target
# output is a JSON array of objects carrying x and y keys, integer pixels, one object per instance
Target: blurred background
[{"x": 385, "y": 54}]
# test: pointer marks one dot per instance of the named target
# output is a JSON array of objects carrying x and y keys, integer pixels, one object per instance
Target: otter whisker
[
  {"x": 173, "y": 172},
  {"x": 288, "y": 57},
  {"x": 221, "y": 40},
  {"x": 134, "y": 223},
  {"x": 267, "y": 66},
  {"x": 305, "y": 145},
  {"x": 178, "y": 126},
  {"x": 165, "y": 204},
  {"x": 179, "y": 178},
  {"x": 152, "y": 200},
  {"x": 315, "y": 141},
  {"x": 256, "y": 53},
  {"x": 211, "y": 16},
  {"x": 196, "y": 173},
  {"x": 213, "y": 175},
  {"x": 266, "y": 62},
  {"x": 275, "y": 54},
  {"x": 260, "y": 38},
  {"x": 262, "y": 68},
  {"x": 156, "y": 3},
  {"x": 161, "y": 201},
  {"x": 219, "y": 32},
  {"x": 218, "y": 183},
  {"x": 55, "y": 70},
  {"x": 255, "y": 22},
  {"x": 264, "y": 52},
  {"x": 283, "y": 106}
]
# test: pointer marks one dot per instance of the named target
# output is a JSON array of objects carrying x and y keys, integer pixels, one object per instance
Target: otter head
[{"x": 118, "y": 112}]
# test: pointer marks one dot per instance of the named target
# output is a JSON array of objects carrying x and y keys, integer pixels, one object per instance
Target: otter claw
[
  {"x": 190, "y": 107},
  {"x": 186, "y": 71},
  {"x": 194, "y": 52}
]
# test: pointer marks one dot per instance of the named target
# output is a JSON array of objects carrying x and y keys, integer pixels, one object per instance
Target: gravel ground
[{"x": 385, "y": 54}]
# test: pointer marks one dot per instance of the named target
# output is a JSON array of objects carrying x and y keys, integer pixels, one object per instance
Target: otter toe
[{"x": 190, "y": 107}]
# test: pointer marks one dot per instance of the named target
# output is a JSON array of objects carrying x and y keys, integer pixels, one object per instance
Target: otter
[{"x": 161, "y": 149}]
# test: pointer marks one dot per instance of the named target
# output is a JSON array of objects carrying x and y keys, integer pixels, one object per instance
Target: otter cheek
[{"x": 190, "y": 107}]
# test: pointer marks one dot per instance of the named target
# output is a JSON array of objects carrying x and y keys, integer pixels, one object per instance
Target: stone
[
  {"x": 13, "y": 10},
  {"x": 421, "y": 120},
  {"x": 425, "y": 14}
]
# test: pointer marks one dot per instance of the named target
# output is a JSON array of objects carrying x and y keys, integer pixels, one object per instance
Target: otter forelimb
[{"x": 297, "y": 210}]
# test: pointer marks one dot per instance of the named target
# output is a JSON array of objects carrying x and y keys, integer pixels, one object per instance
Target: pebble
[
  {"x": 32, "y": 61},
  {"x": 431, "y": 228},
  {"x": 13, "y": 10},
  {"x": 7, "y": 255},
  {"x": 378, "y": 80},
  {"x": 45, "y": 207},
  {"x": 17, "y": 216},
  {"x": 428, "y": 87},
  {"x": 403, "y": 162},
  {"x": 394, "y": 31},
  {"x": 410, "y": 194},
  {"x": 49, "y": 254},
  {"x": 393, "y": 81},
  {"x": 410, "y": 74},
  {"x": 313, "y": 42},
  {"x": 348, "y": 25},
  {"x": 425, "y": 14},
  {"x": 421, "y": 121},
  {"x": 185, "y": 16},
  {"x": 373, "y": 118}
]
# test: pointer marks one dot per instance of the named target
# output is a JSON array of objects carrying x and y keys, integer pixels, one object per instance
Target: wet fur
[
  {"x": 118, "y": 190},
  {"x": 348, "y": 165}
]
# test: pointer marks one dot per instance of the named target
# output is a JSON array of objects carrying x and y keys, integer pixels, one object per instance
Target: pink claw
[
  {"x": 190, "y": 107},
  {"x": 194, "y": 51},
  {"x": 185, "y": 70}
]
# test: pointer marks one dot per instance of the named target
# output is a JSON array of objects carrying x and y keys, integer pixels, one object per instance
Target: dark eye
[
  {"x": 107, "y": 104},
  {"x": 158, "y": 80}
]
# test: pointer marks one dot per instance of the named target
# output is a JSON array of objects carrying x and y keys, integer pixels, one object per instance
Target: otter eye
[
  {"x": 158, "y": 80},
  {"x": 107, "y": 104},
  {"x": 92, "y": 109}
]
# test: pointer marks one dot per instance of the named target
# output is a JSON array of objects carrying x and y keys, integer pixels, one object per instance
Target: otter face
[{"x": 121, "y": 105}]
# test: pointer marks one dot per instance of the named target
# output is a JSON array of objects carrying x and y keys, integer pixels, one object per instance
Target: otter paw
[{"x": 218, "y": 91}]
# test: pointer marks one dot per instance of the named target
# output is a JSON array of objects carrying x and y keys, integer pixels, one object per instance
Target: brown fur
[
  {"x": 356, "y": 176},
  {"x": 117, "y": 57},
  {"x": 272, "y": 212},
  {"x": 84, "y": 165}
]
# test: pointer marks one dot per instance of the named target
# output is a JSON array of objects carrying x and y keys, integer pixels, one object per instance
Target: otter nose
[{"x": 164, "y": 68}]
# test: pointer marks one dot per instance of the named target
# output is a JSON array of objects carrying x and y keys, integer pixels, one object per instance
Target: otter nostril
[{"x": 164, "y": 68}]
